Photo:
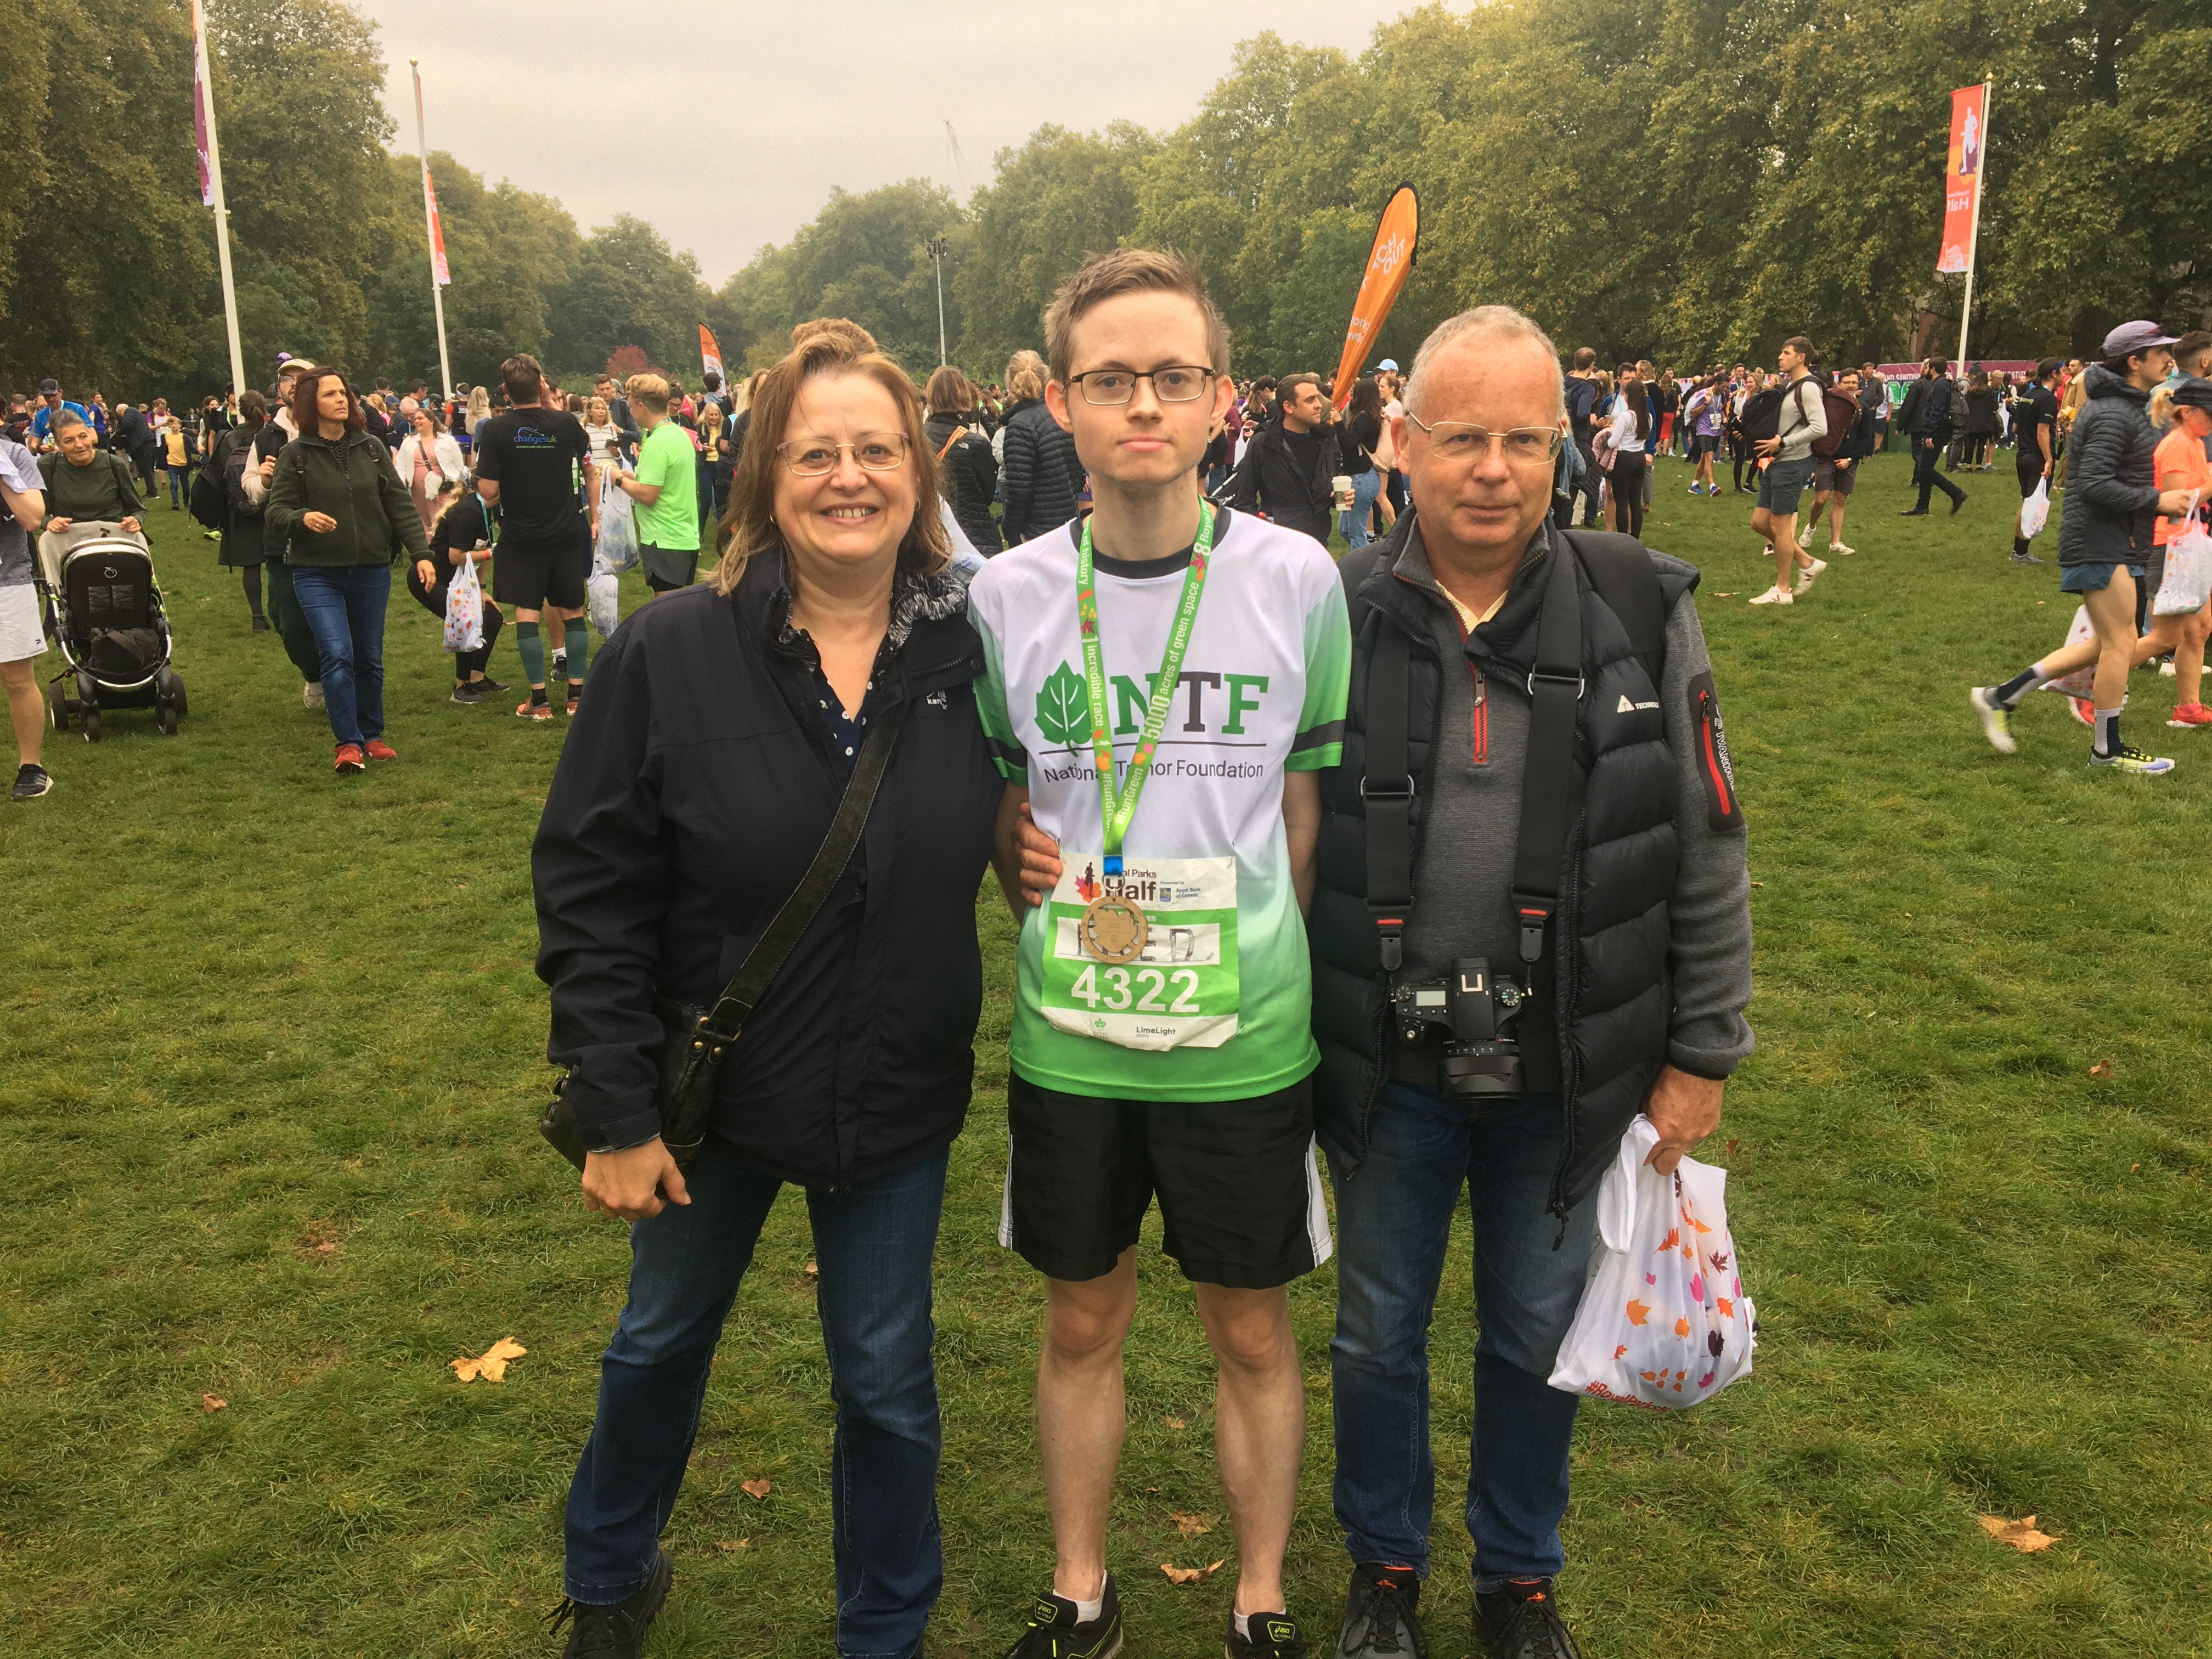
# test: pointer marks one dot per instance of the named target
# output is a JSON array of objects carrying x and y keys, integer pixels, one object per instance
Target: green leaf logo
[{"x": 1063, "y": 708}]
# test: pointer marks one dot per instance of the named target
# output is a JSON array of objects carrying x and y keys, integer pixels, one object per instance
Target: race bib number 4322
[{"x": 1146, "y": 959}]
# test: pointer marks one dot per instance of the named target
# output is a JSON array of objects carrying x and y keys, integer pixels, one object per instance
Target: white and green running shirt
[{"x": 1261, "y": 691}]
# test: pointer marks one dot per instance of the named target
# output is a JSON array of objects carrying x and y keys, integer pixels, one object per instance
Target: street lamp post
[{"x": 937, "y": 252}]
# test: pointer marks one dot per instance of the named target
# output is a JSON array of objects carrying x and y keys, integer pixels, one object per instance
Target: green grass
[{"x": 271, "y": 1048}]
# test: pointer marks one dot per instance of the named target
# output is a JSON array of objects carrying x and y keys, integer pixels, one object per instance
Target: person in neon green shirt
[
  {"x": 1163, "y": 1043},
  {"x": 665, "y": 488}
]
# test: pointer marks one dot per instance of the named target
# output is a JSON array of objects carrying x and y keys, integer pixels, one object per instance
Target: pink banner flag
[{"x": 437, "y": 234}]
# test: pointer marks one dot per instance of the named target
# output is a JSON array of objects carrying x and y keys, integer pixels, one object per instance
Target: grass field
[{"x": 272, "y": 1049}]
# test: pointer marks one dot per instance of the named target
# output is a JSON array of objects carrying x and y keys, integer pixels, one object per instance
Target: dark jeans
[
  {"x": 1628, "y": 469},
  {"x": 873, "y": 1244},
  {"x": 181, "y": 485},
  {"x": 1394, "y": 1224},
  {"x": 291, "y": 622},
  {"x": 1585, "y": 489},
  {"x": 345, "y": 607},
  {"x": 1926, "y": 451}
]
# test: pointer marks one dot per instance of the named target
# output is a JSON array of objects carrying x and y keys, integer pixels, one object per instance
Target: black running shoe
[
  {"x": 31, "y": 782},
  {"x": 1380, "y": 1613},
  {"x": 491, "y": 687},
  {"x": 1274, "y": 1636},
  {"x": 468, "y": 691},
  {"x": 618, "y": 1631},
  {"x": 1522, "y": 1621},
  {"x": 1053, "y": 1633},
  {"x": 1958, "y": 502}
]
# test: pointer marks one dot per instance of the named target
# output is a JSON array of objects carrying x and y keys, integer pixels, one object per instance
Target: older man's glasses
[
  {"x": 1179, "y": 383},
  {"x": 876, "y": 452},
  {"x": 1458, "y": 440}
]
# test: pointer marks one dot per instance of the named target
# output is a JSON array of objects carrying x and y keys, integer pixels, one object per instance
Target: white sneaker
[
  {"x": 1805, "y": 535},
  {"x": 1810, "y": 574},
  {"x": 1776, "y": 596},
  {"x": 1840, "y": 549},
  {"x": 310, "y": 695},
  {"x": 2167, "y": 668}
]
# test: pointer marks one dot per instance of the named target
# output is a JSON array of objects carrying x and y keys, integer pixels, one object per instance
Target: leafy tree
[{"x": 628, "y": 288}]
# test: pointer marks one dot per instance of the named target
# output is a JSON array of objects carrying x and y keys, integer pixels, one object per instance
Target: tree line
[{"x": 1683, "y": 180}]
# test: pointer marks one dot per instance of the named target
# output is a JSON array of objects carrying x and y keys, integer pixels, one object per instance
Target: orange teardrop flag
[{"x": 1388, "y": 264}]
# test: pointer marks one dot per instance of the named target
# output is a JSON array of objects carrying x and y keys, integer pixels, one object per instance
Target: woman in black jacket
[
  {"x": 1981, "y": 422},
  {"x": 965, "y": 466},
  {"x": 1041, "y": 475},
  {"x": 696, "y": 789}
]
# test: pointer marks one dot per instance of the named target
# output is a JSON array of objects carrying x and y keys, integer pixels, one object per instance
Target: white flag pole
[
  {"x": 221, "y": 213},
  {"x": 1974, "y": 235},
  {"x": 430, "y": 232}
]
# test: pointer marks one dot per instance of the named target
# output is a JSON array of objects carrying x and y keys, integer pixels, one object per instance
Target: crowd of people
[{"x": 976, "y": 579}]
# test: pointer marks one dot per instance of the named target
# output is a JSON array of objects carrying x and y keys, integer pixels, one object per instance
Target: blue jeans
[
  {"x": 345, "y": 607},
  {"x": 874, "y": 1244},
  {"x": 1394, "y": 1224},
  {"x": 1366, "y": 487}
]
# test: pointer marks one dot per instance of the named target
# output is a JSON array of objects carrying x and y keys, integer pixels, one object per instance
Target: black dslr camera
[{"x": 1478, "y": 1012}]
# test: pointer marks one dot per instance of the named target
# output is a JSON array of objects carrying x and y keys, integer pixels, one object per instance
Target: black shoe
[
  {"x": 1914, "y": 513},
  {"x": 1958, "y": 501},
  {"x": 261, "y": 624},
  {"x": 559, "y": 671},
  {"x": 1274, "y": 1636},
  {"x": 491, "y": 687},
  {"x": 31, "y": 782},
  {"x": 1382, "y": 1613},
  {"x": 618, "y": 1631},
  {"x": 1522, "y": 1621},
  {"x": 1053, "y": 1633},
  {"x": 468, "y": 692}
]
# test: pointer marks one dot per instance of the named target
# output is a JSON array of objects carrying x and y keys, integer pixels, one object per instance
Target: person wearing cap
[
  {"x": 2106, "y": 540},
  {"x": 50, "y": 404}
]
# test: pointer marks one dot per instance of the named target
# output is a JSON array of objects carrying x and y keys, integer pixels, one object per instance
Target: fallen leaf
[
  {"x": 812, "y": 1270},
  {"x": 2101, "y": 1070},
  {"x": 2021, "y": 1535},
  {"x": 1723, "y": 596},
  {"x": 1189, "y": 1574},
  {"x": 1192, "y": 1526},
  {"x": 759, "y": 1488},
  {"x": 728, "y": 1545},
  {"x": 1758, "y": 883},
  {"x": 210, "y": 1403},
  {"x": 1731, "y": 1149},
  {"x": 491, "y": 1363},
  {"x": 1175, "y": 1422},
  {"x": 2132, "y": 1168}
]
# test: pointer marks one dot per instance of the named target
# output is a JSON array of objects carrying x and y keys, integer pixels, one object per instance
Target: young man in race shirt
[
  {"x": 1162, "y": 683},
  {"x": 535, "y": 465},
  {"x": 2035, "y": 425}
]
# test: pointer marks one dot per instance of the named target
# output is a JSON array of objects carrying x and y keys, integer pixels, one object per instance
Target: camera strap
[
  {"x": 1548, "y": 786},
  {"x": 1386, "y": 793}
]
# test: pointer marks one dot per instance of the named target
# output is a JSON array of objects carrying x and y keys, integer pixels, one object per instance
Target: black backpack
[
  {"x": 209, "y": 501},
  {"x": 1762, "y": 414},
  {"x": 234, "y": 463}
]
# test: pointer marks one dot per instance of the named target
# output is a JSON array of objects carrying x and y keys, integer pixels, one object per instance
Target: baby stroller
[{"x": 104, "y": 613}]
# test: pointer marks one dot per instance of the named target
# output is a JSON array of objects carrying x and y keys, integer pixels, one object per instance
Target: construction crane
[{"x": 959, "y": 157}]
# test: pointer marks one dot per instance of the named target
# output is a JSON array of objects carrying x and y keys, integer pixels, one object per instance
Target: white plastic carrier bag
[
  {"x": 1664, "y": 1322},
  {"x": 603, "y": 596},
  {"x": 2035, "y": 511},
  {"x": 2082, "y": 681},
  {"x": 618, "y": 549},
  {"x": 464, "y": 609},
  {"x": 2188, "y": 580}
]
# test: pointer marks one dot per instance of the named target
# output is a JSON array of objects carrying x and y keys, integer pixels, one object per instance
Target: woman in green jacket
[{"x": 342, "y": 514}]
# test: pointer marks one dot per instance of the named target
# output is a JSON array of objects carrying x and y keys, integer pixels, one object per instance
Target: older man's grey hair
[{"x": 1485, "y": 325}]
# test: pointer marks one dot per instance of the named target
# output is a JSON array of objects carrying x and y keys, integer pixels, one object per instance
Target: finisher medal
[{"x": 1114, "y": 929}]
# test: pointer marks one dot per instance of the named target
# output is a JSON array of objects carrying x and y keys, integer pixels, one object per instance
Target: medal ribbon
[{"x": 1118, "y": 806}]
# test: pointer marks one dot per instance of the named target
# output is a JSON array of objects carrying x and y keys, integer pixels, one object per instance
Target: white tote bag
[
  {"x": 1664, "y": 1321},
  {"x": 465, "y": 610}
]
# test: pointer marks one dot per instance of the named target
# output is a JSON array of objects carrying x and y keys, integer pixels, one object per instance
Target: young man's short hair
[
  {"x": 1287, "y": 389},
  {"x": 2190, "y": 346},
  {"x": 522, "y": 378},
  {"x": 650, "y": 390},
  {"x": 1585, "y": 357},
  {"x": 1105, "y": 276}
]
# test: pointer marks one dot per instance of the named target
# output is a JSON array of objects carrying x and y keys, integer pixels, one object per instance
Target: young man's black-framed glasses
[{"x": 1174, "y": 383}]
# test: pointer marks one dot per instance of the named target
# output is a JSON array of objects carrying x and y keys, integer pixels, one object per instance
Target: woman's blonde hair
[
  {"x": 600, "y": 408},
  {"x": 478, "y": 409},
  {"x": 748, "y": 526},
  {"x": 2162, "y": 414},
  {"x": 1025, "y": 375}
]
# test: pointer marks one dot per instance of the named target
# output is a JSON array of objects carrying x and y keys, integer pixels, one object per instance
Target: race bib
[{"x": 1146, "y": 959}]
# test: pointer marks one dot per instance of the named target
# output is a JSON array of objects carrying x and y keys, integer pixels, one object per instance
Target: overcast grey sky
[{"x": 772, "y": 106}]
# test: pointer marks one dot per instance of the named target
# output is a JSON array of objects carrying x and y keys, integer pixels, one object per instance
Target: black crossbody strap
[
  {"x": 763, "y": 962},
  {"x": 1387, "y": 793},
  {"x": 1548, "y": 786}
]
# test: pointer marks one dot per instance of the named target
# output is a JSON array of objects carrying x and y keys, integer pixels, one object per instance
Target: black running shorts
[
  {"x": 2029, "y": 465},
  {"x": 531, "y": 579},
  {"x": 1239, "y": 1189}
]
